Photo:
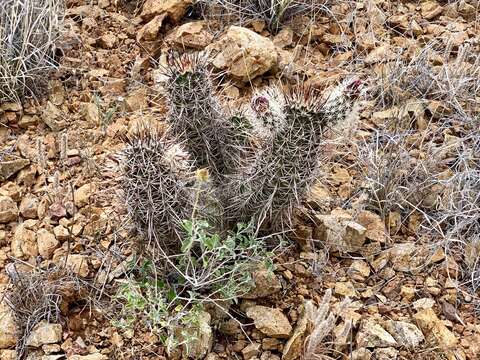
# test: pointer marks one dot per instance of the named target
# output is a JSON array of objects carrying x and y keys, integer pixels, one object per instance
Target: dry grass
[
  {"x": 274, "y": 12},
  {"x": 28, "y": 32},
  {"x": 39, "y": 295}
]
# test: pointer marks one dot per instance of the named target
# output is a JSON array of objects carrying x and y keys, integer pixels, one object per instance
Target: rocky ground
[{"x": 407, "y": 297}]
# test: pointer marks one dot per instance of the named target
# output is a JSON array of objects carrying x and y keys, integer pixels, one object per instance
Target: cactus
[
  {"x": 277, "y": 177},
  {"x": 195, "y": 115},
  {"x": 158, "y": 185}
]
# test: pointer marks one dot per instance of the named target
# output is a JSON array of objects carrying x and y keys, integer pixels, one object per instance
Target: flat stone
[
  {"x": 270, "y": 321},
  {"x": 8, "y": 210},
  {"x": 372, "y": 334},
  {"x": 10, "y": 168},
  {"x": 47, "y": 243},
  {"x": 45, "y": 333}
]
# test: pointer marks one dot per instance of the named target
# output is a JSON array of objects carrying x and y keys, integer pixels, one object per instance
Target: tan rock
[
  {"x": 45, "y": 333},
  {"x": 435, "y": 329},
  {"x": 12, "y": 190},
  {"x": 379, "y": 54},
  {"x": 266, "y": 283},
  {"x": 24, "y": 242},
  {"x": 345, "y": 288},
  {"x": 198, "y": 338},
  {"x": 339, "y": 232},
  {"x": 91, "y": 113},
  {"x": 375, "y": 227},
  {"x": 107, "y": 41},
  {"x": 61, "y": 233},
  {"x": 47, "y": 243},
  {"x": 10, "y": 168},
  {"x": 8, "y": 355},
  {"x": 8, "y": 210},
  {"x": 137, "y": 100},
  {"x": 29, "y": 206},
  {"x": 405, "y": 333},
  {"x": 359, "y": 270},
  {"x": 372, "y": 334},
  {"x": 388, "y": 353},
  {"x": 150, "y": 31},
  {"x": 82, "y": 195},
  {"x": 96, "y": 356},
  {"x": 8, "y": 333},
  {"x": 294, "y": 346},
  {"x": 195, "y": 35},
  {"x": 361, "y": 354},
  {"x": 270, "y": 321},
  {"x": 243, "y": 53},
  {"x": 79, "y": 264},
  {"x": 430, "y": 10},
  {"x": 251, "y": 350},
  {"x": 174, "y": 9}
]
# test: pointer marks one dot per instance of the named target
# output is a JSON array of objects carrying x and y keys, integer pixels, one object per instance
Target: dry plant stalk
[
  {"x": 39, "y": 295},
  {"x": 273, "y": 12},
  {"x": 28, "y": 32}
]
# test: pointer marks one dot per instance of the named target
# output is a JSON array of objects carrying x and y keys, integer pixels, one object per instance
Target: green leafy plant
[{"x": 209, "y": 269}]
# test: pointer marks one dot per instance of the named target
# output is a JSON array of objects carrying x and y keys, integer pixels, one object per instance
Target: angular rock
[
  {"x": 361, "y": 354},
  {"x": 345, "y": 288},
  {"x": 8, "y": 210},
  {"x": 96, "y": 356},
  {"x": 78, "y": 263},
  {"x": 431, "y": 9},
  {"x": 8, "y": 332},
  {"x": 251, "y": 351},
  {"x": 388, "y": 353},
  {"x": 270, "y": 321},
  {"x": 47, "y": 243},
  {"x": 29, "y": 206},
  {"x": 435, "y": 329},
  {"x": 199, "y": 337},
  {"x": 174, "y": 9},
  {"x": 194, "y": 35},
  {"x": 372, "y": 334},
  {"x": 150, "y": 31},
  {"x": 294, "y": 346},
  {"x": 266, "y": 283},
  {"x": 12, "y": 190},
  {"x": 82, "y": 195},
  {"x": 375, "y": 226},
  {"x": 45, "y": 333},
  {"x": 24, "y": 242},
  {"x": 10, "y": 168},
  {"x": 406, "y": 334},
  {"x": 243, "y": 53},
  {"x": 339, "y": 232}
]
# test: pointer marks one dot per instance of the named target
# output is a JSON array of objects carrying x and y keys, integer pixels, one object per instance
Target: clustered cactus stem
[
  {"x": 196, "y": 116},
  {"x": 157, "y": 185},
  {"x": 290, "y": 125},
  {"x": 256, "y": 166}
]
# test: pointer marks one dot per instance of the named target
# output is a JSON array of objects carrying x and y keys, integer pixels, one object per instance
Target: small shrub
[
  {"x": 40, "y": 295},
  {"x": 274, "y": 12},
  {"x": 28, "y": 31},
  {"x": 452, "y": 83},
  {"x": 209, "y": 269}
]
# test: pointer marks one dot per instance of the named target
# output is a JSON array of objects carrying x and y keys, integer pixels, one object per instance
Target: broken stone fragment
[
  {"x": 243, "y": 54},
  {"x": 406, "y": 334},
  {"x": 10, "y": 168},
  {"x": 174, "y": 9},
  {"x": 266, "y": 283},
  {"x": 372, "y": 335},
  {"x": 270, "y": 321},
  {"x": 8, "y": 210},
  {"x": 45, "y": 333}
]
